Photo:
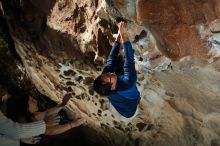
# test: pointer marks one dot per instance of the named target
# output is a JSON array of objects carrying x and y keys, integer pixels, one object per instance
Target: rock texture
[{"x": 64, "y": 43}]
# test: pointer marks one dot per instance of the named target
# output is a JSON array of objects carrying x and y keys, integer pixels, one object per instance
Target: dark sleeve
[
  {"x": 130, "y": 76},
  {"x": 112, "y": 58}
]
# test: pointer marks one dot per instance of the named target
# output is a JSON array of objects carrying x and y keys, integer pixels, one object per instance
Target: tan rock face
[
  {"x": 64, "y": 44},
  {"x": 177, "y": 23}
]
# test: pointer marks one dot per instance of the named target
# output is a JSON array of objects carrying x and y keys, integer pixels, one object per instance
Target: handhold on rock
[{"x": 215, "y": 26}]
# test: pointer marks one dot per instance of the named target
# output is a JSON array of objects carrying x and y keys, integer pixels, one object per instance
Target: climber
[
  {"x": 11, "y": 132},
  {"x": 25, "y": 108},
  {"x": 120, "y": 89}
]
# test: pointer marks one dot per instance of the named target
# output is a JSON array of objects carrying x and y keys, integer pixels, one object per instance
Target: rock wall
[{"x": 64, "y": 43}]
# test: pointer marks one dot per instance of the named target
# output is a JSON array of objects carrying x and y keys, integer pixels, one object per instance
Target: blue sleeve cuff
[
  {"x": 126, "y": 43},
  {"x": 116, "y": 43}
]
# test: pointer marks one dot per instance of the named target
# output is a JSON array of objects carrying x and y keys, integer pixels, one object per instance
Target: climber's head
[{"x": 105, "y": 83}]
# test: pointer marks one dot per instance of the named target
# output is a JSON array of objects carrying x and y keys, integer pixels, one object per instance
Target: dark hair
[
  {"x": 17, "y": 107},
  {"x": 101, "y": 87}
]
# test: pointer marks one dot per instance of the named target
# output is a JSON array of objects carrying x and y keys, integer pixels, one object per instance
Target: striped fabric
[{"x": 11, "y": 132}]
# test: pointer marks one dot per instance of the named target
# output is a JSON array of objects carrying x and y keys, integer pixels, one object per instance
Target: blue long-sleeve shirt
[{"x": 126, "y": 96}]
